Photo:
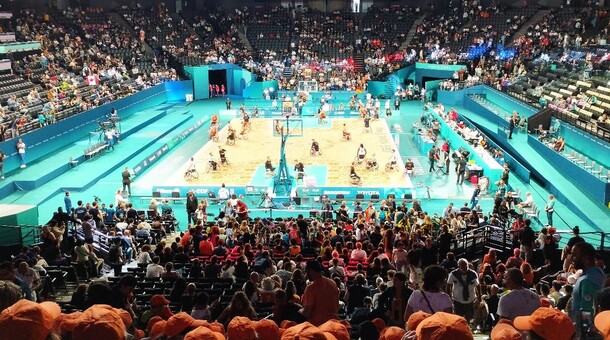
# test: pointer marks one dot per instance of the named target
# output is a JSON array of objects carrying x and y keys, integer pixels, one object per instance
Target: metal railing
[
  {"x": 473, "y": 242},
  {"x": 11, "y": 235}
]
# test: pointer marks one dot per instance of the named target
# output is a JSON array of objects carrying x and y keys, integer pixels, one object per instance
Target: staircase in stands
[{"x": 358, "y": 62}]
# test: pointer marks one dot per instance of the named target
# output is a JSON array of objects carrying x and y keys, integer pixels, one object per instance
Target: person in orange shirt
[
  {"x": 206, "y": 248},
  {"x": 186, "y": 239},
  {"x": 369, "y": 213},
  {"x": 295, "y": 249},
  {"x": 321, "y": 297}
]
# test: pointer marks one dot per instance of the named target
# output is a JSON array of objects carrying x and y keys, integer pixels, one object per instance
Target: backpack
[{"x": 382, "y": 215}]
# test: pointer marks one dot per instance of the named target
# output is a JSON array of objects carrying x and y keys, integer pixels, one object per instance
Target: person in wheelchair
[
  {"x": 279, "y": 127},
  {"x": 346, "y": 134},
  {"x": 245, "y": 122},
  {"x": 268, "y": 165},
  {"x": 321, "y": 116},
  {"x": 191, "y": 167},
  {"x": 315, "y": 148},
  {"x": 367, "y": 123},
  {"x": 212, "y": 162},
  {"x": 222, "y": 153},
  {"x": 243, "y": 131},
  {"x": 371, "y": 163},
  {"x": 231, "y": 136},
  {"x": 352, "y": 102},
  {"x": 352, "y": 174},
  {"x": 299, "y": 168},
  {"x": 213, "y": 131},
  {"x": 393, "y": 160},
  {"x": 409, "y": 166},
  {"x": 361, "y": 154}
]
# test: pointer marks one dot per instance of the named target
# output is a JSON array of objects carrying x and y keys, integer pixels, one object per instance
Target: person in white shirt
[
  {"x": 393, "y": 160},
  {"x": 122, "y": 225},
  {"x": 358, "y": 253},
  {"x": 528, "y": 201},
  {"x": 223, "y": 193},
  {"x": 233, "y": 200},
  {"x": 463, "y": 285},
  {"x": 29, "y": 276},
  {"x": 144, "y": 225},
  {"x": 21, "y": 152},
  {"x": 191, "y": 166},
  {"x": 154, "y": 270},
  {"x": 431, "y": 298},
  {"x": 144, "y": 257},
  {"x": 519, "y": 301},
  {"x": 109, "y": 134},
  {"x": 118, "y": 198}
]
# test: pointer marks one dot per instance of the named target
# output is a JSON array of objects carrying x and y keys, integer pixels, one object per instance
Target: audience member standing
[
  {"x": 589, "y": 283},
  {"x": 519, "y": 301},
  {"x": 511, "y": 127},
  {"x": 126, "y": 180},
  {"x": 550, "y": 209},
  {"x": 191, "y": 207},
  {"x": 567, "y": 250},
  {"x": 68, "y": 203},
  {"x": 431, "y": 298},
  {"x": 393, "y": 302},
  {"x": 21, "y": 152},
  {"x": 527, "y": 238},
  {"x": 463, "y": 286},
  {"x": 321, "y": 297}
]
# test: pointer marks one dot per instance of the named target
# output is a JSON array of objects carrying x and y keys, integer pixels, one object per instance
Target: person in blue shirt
[
  {"x": 68, "y": 202},
  {"x": 166, "y": 208},
  {"x": 108, "y": 213},
  {"x": 550, "y": 209},
  {"x": 475, "y": 197},
  {"x": 143, "y": 234},
  {"x": 80, "y": 211},
  {"x": 119, "y": 212},
  {"x": 588, "y": 285},
  {"x": 127, "y": 245}
]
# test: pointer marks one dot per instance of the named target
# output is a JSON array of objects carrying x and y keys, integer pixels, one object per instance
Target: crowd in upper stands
[
  {"x": 310, "y": 45},
  {"x": 78, "y": 68}
]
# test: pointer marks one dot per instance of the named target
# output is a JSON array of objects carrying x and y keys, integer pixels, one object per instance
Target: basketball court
[{"x": 247, "y": 156}]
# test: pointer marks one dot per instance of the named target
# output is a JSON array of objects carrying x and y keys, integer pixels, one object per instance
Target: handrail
[{"x": 19, "y": 233}]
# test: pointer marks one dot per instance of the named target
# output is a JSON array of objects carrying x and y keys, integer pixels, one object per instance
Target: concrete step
[
  {"x": 412, "y": 32},
  {"x": 531, "y": 22},
  {"x": 118, "y": 19}
]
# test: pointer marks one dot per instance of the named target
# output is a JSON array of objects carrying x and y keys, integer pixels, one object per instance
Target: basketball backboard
[{"x": 292, "y": 127}]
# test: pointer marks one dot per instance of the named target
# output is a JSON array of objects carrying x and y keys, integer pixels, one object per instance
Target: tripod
[{"x": 266, "y": 201}]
